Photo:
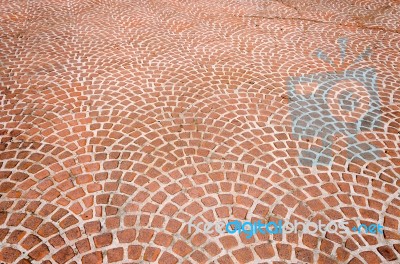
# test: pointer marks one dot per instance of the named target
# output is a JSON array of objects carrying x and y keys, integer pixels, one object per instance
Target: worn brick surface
[{"x": 122, "y": 120}]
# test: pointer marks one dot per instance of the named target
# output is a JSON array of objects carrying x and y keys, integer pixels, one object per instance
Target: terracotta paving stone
[{"x": 121, "y": 121}]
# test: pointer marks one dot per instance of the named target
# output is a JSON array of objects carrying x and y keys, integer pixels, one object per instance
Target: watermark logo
[
  {"x": 330, "y": 105},
  {"x": 282, "y": 227}
]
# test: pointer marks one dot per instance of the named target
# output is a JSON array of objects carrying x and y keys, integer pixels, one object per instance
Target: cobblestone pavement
[{"x": 122, "y": 120}]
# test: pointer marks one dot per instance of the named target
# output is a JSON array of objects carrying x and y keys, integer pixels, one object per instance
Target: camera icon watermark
[{"x": 326, "y": 106}]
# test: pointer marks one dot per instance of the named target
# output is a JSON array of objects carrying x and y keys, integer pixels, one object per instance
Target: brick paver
[{"x": 122, "y": 120}]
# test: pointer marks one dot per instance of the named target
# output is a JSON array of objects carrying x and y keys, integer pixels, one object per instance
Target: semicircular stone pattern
[{"x": 122, "y": 122}]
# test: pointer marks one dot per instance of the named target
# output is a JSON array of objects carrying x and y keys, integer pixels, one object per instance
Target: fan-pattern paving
[{"x": 122, "y": 120}]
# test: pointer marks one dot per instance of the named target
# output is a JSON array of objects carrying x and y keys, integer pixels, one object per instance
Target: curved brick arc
[{"x": 121, "y": 121}]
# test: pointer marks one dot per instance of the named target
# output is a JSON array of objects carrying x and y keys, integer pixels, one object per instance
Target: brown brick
[
  {"x": 115, "y": 255},
  {"x": 103, "y": 240},
  {"x": 39, "y": 252},
  {"x": 9, "y": 255},
  {"x": 63, "y": 255}
]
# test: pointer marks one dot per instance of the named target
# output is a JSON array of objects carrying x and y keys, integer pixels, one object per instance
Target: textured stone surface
[{"x": 121, "y": 120}]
